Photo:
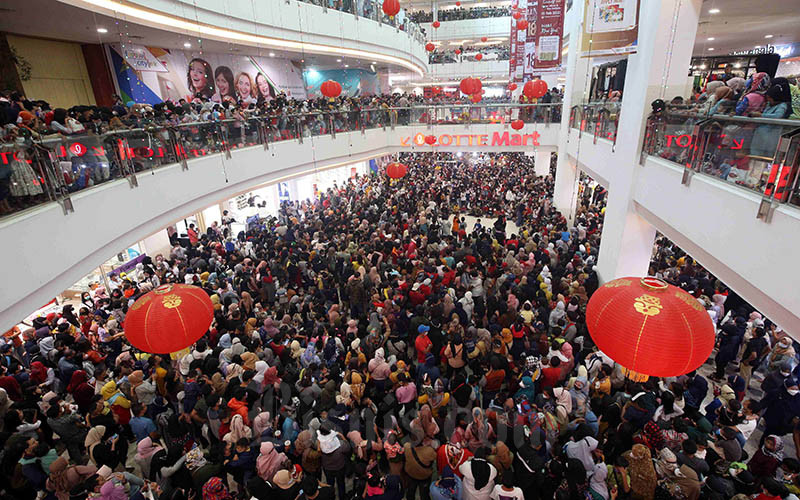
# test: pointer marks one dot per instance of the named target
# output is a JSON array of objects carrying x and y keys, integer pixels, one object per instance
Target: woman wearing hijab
[
  {"x": 144, "y": 455},
  {"x": 722, "y": 102},
  {"x": 479, "y": 432},
  {"x": 269, "y": 461},
  {"x": 478, "y": 476},
  {"x": 754, "y": 100},
  {"x": 64, "y": 477},
  {"x": 103, "y": 452},
  {"x": 778, "y": 105},
  {"x": 81, "y": 391},
  {"x": 642, "y": 474},
  {"x": 768, "y": 458},
  {"x": 112, "y": 491},
  {"x": 425, "y": 427},
  {"x": 238, "y": 430}
]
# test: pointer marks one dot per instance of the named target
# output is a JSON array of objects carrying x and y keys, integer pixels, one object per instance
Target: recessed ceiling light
[
  {"x": 713, "y": 11},
  {"x": 187, "y": 45},
  {"x": 757, "y": 46},
  {"x": 711, "y": 48},
  {"x": 373, "y": 62},
  {"x": 338, "y": 60},
  {"x": 102, "y": 30},
  {"x": 346, "y": 65},
  {"x": 272, "y": 54},
  {"x": 711, "y": 39},
  {"x": 767, "y": 36}
]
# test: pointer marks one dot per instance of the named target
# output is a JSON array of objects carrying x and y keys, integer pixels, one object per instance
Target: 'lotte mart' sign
[{"x": 495, "y": 139}]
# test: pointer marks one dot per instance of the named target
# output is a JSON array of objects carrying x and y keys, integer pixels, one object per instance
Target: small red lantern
[
  {"x": 458, "y": 51},
  {"x": 436, "y": 24},
  {"x": 522, "y": 24},
  {"x": 476, "y": 98},
  {"x": 478, "y": 56},
  {"x": 650, "y": 327},
  {"x": 516, "y": 15},
  {"x": 396, "y": 170},
  {"x": 168, "y": 319},
  {"x": 391, "y": 7},
  {"x": 430, "y": 140},
  {"x": 430, "y": 47},
  {"x": 330, "y": 88},
  {"x": 512, "y": 87},
  {"x": 458, "y": 4},
  {"x": 517, "y": 124},
  {"x": 484, "y": 38}
]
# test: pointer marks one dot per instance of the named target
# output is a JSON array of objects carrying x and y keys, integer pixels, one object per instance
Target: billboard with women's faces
[{"x": 152, "y": 74}]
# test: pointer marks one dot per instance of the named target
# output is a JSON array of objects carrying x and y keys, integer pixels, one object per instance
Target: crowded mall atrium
[{"x": 399, "y": 250}]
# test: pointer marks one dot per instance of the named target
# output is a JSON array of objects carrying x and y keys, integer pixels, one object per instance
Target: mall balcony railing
[
  {"x": 599, "y": 119},
  {"x": 51, "y": 169},
  {"x": 370, "y": 9}
]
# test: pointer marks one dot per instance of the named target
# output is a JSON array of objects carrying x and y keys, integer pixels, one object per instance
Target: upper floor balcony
[{"x": 725, "y": 188}]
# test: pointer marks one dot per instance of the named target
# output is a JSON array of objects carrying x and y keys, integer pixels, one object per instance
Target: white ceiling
[{"x": 743, "y": 24}]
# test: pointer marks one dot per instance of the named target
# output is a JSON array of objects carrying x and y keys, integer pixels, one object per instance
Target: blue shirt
[{"x": 142, "y": 427}]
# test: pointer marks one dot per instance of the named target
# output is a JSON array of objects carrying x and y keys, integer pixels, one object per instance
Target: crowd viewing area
[{"x": 339, "y": 275}]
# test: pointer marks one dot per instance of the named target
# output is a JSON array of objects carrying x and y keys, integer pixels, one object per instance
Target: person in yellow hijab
[{"x": 117, "y": 401}]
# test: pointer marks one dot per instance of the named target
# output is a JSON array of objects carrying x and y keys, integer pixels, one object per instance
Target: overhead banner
[
  {"x": 153, "y": 74},
  {"x": 549, "y": 35},
  {"x": 610, "y": 27},
  {"x": 518, "y": 41}
]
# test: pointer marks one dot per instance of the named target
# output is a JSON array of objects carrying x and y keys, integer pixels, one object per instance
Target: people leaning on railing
[
  {"x": 461, "y": 13},
  {"x": 468, "y": 53}
]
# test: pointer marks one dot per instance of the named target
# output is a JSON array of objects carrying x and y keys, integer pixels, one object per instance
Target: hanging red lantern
[
  {"x": 467, "y": 86},
  {"x": 430, "y": 47},
  {"x": 458, "y": 51},
  {"x": 522, "y": 24},
  {"x": 476, "y": 98},
  {"x": 436, "y": 24},
  {"x": 330, "y": 88},
  {"x": 512, "y": 87},
  {"x": 396, "y": 170},
  {"x": 168, "y": 319},
  {"x": 458, "y": 4},
  {"x": 430, "y": 140},
  {"x": 534, "y": 89},
  {"x": 477, "y": 86},
  {"x": 517, "y": 124},
  {"x": 478, "y": 56},
  {"x": 650, "y": 327},
  {"x": 391, "y": 7},
  {"x": 484, "y": 38},
  {"x": 516, "y": 15}
]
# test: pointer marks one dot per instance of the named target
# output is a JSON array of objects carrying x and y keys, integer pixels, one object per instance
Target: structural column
[
  {"x": 667, "y": 30},
  {"x": 541, "y": 163}
]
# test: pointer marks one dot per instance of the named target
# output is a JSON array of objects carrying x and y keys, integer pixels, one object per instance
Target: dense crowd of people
[
  {"x": 468, "y": 53},
  {"x": 460, "y": 13},
  {"x": 375, "y": 343}
]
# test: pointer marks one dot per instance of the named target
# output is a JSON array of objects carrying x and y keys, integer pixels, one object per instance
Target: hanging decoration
[
  {"x": 516, "y": 15},
  {"x": 391, "y": 7},
  {"x": 512, "y": 87},
  {"x": 478, "y": 56},
  {"x": 430, "y": 140},
  {"x": 522, "y": 24},
  {"x": 168, "y": 319},
  {"x": 430, "y": 47},
  {"x": 458, "y": 52},
  {"x": 436, "y": 24},
  {"x": 517, "y": 124},
  {"x": 458, "y": 4},
  {"x": 484, "y": 38},
  {"x": 396, "y": 170},
  {"x": 650, "y": 327},
  {"x": 469, "y": 86},
  {"x": 330, "y": 88},
  {"x": 476, "y": 98},
  {"x": 534, "y": 89}
]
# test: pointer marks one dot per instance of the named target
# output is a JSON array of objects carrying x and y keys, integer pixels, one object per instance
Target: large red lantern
[
  {"x": 391, "y": 7},
  {"x": 522, "y": 24},
  {"x": 650, "y": 327},
  {"x": 396, "y": 170},
  {"x": 436, "y": 24},
  {"x": 477, "y": 86},
  {"x": 467, "y": 85},
  {"x": 430, "y": 47},
  {"x": 517, "y": 124},
  {"x": 330, "y": 88},
  {"x": 534, "y": 89},
  {"x": 168, "y": 319},
  {"x": 430, "y": 140},
  {"x": 478, "y": 56}
]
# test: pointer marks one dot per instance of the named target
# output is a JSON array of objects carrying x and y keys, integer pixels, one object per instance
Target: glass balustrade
[{"x": 33, "y": 172}]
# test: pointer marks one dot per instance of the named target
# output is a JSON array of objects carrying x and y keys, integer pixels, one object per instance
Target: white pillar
[
  {"x": 541, "y": 163},
  {"x": 575, "y": 92},
  {"x": 667, "y": 30}
]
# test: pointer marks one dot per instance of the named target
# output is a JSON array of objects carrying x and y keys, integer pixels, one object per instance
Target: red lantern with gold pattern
[
  {"x": 168, "y": 319},
  {"x": 650, "y": 327},
  {"x": 330, "y": 88},
  {"x": 391, "y": 7},
  {"x": 396, "y": 170}
]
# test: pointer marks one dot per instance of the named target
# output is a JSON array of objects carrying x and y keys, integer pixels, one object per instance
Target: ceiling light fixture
[
  {"x": 768, "y": 36},
  {"x": 157, "y": 20},
  {"x": 338, "y": 60},
  {"x": 272, "y": 54},
  {"x": 711, "y": 39},
  {"x": 711, "y": 48},
  {"x": 102, "y": 30},
  {"x": 187, "y": 45},
  {"x": 713, "y": 11}
]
